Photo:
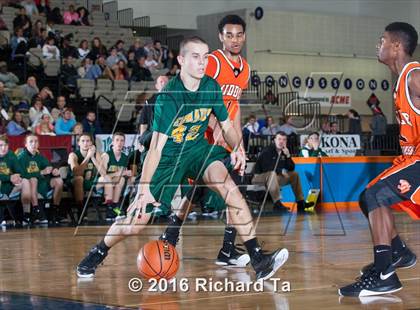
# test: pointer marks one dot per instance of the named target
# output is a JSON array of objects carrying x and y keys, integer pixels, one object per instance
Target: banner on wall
[
  {"x": 326, "y": 99},
  {"x": 337, "y": 145},
  {"x": 103, "y": 143}
]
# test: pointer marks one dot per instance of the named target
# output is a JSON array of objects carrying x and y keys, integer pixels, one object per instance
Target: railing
[{"x": 125, "y": 17}]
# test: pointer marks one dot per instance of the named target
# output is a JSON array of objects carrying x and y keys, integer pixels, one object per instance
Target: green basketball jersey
[
  {"x": 90, "y": 168},
  {"x": 114, "y": 164},
  {"x": 9, "y": 165},
  {"x": 32, "y": 164},
  {"x": 183, "y": 115}
]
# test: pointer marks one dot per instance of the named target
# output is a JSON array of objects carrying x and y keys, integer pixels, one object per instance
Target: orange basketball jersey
[
  {"x": 408, "y": 115},
  {"x": 232, "y": 77}
]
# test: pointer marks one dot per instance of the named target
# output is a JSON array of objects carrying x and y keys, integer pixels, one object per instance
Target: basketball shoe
[
  {"x": 266, "y": 265},
  {"x": 88, "y": 265},
  {"x": 235, "y": 257},
  {"x": 373, "y": 283}
]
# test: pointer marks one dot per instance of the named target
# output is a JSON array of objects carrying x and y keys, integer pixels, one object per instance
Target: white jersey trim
[
  {"x": 217, "y": 66},
  {"x": 407, "y": 92}
]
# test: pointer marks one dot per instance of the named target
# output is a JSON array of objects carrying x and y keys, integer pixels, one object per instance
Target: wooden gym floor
[{"x": 37, "y": 267}]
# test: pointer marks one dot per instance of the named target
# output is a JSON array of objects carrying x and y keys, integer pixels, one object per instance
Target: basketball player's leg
[
  {"x": 217, "y": 178},
  {"x": 390, "y": 252}
]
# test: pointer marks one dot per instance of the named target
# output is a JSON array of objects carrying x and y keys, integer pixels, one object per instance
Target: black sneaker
[
  {"x": 266, "y": 265},
  {"x": 234, "y": 258},
  {"x": 373, "y": 283},
  {"x": 88, "y": 265},
  {"x": 110, "y": 214},
  {"x": 39, "y": 216},
  {"x": 406, "y": 259},
  {"x": 173, "y": 240},
  {"x": 303, "y": 205}
]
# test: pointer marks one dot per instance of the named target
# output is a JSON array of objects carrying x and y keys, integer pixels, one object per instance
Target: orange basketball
[{"x": 157, "y": 259}]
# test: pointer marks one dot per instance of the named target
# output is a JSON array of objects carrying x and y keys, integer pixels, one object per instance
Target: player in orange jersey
[
  {"x": 232, "y": 72},
  {"x": 399, "y": 183}
]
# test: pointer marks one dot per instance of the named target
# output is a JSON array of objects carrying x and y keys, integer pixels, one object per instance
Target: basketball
[{"x": 157, "y": 259}]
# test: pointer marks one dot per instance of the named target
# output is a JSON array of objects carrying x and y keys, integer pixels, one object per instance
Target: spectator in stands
[
  {"x": 119, "y": 45},
  {"x": 121, "y": 71},
  {"x": 43, "y": 7},
  {"x": 37, "y": 111},
  {"x": 270, "y": 98},
  {"x": 160, "y": 53},
  {"x": 88, "y": 70},
  {"x": 138, "y": 49},
  {"x": 334, "y": 129},
  {"x": 85, "y": 65},
  {"x": 65, "y": 124},
  {"x": 378, "y": 126},
  {"x": 106, "y": 72},
  {"x": 173, "y": 71},
  {"x": 51, "y": 31},
  {"x": 42, "y": 178},
  {"x": 18, "y": 43},
  {"x": 311, "y": 147},
  {"x": 23, "y": 21},
  {"x": 30, "y": 7},
  {"x": 71, "y": 17},
  {"x": 69, "y": 74},
  {"x": 68, "y": 48},
  {"x": 84, "y": 164},
  {"x": 270, "y": 129},
  {"x": 38, "y": 39},
  {"x": 5, "y": 102},
  {"x": 77, "y": 130},
  {"x": 16, "y": 127},
  {"x": 50, "y": 50},
  {"x": 58, "y": 110},
  {"x": 252, "y": 127},
  {"x": 36, "y": 28},
  {"x": 140, "y": 72},
  {"x": 9, "y": 79},
  {"x": 131, "y": 60},
  {"x": 91, "y": 124},
  {"x": 113, "y": 170},
  {"x": 97, "y": 48},
  {"x": 83, "y": 16},
  {"x": 12, "y": 176},
  {"x": 46, "y": 96},
  {"x": 355, "y": 126},
  {"x": 55, "y": 17},
  {"x": 29, "y": 89},
  {"x": 275, "y": 168},
  {"x": 151, "y": 63},
  {"x": 171, "y": 59},
  {"x": 114, "y": 57},
  {"x": 288, "y": 127},
  {"x": 44, "y": 126},
  {"x": 83, "y": 49}
]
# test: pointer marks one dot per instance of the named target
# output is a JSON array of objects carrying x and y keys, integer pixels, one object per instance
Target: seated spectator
[
  {"x": 46, "y": 97},
  {"x": 71, "y": 17},
  {"x": 58, "y": 110},
  {"x": 252, "y": 127},
  {"x": 85, "y": 65},
  {"x": 55, "y": 17},
  {"x": 355, "y": 126},
  {"x": 119, "y": 45},
  {"x": 18, "y": 44},
  {"x": 106, "y": 72},
  {"x": 113, "y": 169},
  {"x": 160, "y": 53},
  {"x": 51, "y": 31},
  {"x": 378, "y": 126},
  {"x": 288, "y": 127},
  {"x": 131, "y": 60},
  {"x": 89, "y": 70},
  {"x": 50, "y": 50},
  {"x": 16, "y": 127},
  {"x": 77, "y": 130},
  {"x": 151, "y": 63},
  {"x": 68, "y": 49},
  {"x": 30, "y": 89},
  {"x": 36, "y": 28},
  {"x": 97, "y": 49},
  {"x": 269, "y": 98},
  {"x": 44, "y": 126},
  {"x": 83, "y": 49},
  {"x": 138, "y": 49},
  {"x": 23, "y": 22},
  {"x": 38, "y": 39},
  {"x": 65, "y": 124},
  {"x": 30, "y": 7},
  {"x": 121, "y": 71},
  {"x": 37, "y": 111},
  {"x": 43, "y": 7},
  {"x": 140, "y": 72},
  {"x": 171, "y": 61},
  {"x": 334, "y": 130},
  {"x": 12, "y": 176},
  {"x": 173, "y": 71},
  {"x": 42, "y": 178},
  {"x": 311, "y": 148},
  {"x": 275, "y": 168},
  {"x": 83, "y": 16},
  {"x": 270, "y": 129},
  {"x": 114, "y": 58},
  {"x": 84, "y": 165},
  {"x": 5, "y": 103},
  {"x": 91, "y": 124},
  {"x": 69, "y": 73}
]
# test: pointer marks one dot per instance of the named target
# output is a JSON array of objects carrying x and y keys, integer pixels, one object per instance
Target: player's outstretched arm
[{"x": 414, "y": 86}]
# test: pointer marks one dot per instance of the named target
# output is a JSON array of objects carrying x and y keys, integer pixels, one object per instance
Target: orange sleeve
[{"x": 213, "y": 66}]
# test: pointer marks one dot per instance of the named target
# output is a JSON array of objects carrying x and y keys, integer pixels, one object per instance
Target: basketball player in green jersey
[
  {"x": 84, "y": 165},
  {"x": 178, "y": 150},
  {"x": 113, "y": 170}
]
